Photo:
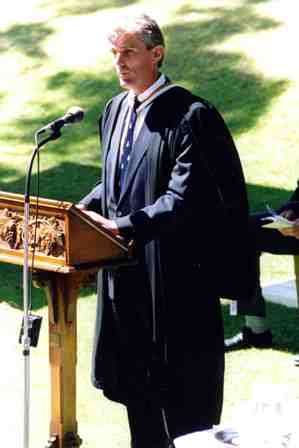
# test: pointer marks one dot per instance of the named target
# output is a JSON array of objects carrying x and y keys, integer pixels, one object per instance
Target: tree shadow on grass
[
  {"x": 253, "y": 2},
  {"x": 66, "y": 181},
  {"x": 241, "y": 95},
  {"x": 223, "y": 77},
  {"x": 2, "y": 96},
  {"x": 6, "y": 172},
  {"x": 284, "y": 323},
  {"x": 26, "y": 38},
  {"x": 83, "y": 89},
  {"x": 227, "y": 20},
  {"x": 76, "y": 7},
  {"x": 193, "y": 60},
  {"x": 260, "y": 196},
  {"x": 11, "y": 289}
]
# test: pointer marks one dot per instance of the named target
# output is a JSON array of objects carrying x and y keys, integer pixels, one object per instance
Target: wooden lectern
[{"x": 66, "y": 249}]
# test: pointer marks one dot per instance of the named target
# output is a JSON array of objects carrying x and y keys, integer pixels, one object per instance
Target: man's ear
[{"x": 158, "y": 53}]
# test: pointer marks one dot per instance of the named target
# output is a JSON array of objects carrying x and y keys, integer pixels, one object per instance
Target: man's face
[{"x": 135, "y": 65}]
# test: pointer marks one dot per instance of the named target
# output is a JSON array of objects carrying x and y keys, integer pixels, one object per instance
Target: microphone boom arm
[
  {"x": 73, "y": 115},
  {"x": 26, "y": 338}
]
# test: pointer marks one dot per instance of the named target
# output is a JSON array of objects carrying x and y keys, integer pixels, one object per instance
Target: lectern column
[{"x": 62, "y": 293}]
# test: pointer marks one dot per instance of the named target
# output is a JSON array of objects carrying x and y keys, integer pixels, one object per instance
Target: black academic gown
[{"x": 185, "y": 205}]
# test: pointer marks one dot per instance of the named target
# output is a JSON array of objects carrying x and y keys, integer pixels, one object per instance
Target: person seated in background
[{"x": 256, "y": 331}]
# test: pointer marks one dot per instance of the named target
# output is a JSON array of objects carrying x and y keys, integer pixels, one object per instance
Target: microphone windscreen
[{"x": 75, "y": 114}]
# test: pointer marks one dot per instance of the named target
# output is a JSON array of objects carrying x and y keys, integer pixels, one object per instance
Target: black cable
[{"x": 35, "y": 152}]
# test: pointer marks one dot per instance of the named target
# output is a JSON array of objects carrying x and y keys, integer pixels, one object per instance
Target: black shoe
[{"x": 247, "y": 338}]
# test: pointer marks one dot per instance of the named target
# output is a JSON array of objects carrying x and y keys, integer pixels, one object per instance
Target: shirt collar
[{"x": 148, "y": 92}]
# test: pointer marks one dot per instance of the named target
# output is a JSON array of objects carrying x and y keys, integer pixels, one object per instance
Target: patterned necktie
[{"x": 128, "y": 144}]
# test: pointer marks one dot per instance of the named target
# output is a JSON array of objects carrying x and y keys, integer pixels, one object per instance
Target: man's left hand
[{"x": 106, "y": 223}]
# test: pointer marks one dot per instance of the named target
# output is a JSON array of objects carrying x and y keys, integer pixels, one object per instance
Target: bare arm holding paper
[
  {"x": 293, "y": 230},
  {"x": 283, "y": 222}
]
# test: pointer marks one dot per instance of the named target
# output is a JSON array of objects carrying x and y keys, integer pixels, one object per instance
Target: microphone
[{"x": 73, "y": 115}]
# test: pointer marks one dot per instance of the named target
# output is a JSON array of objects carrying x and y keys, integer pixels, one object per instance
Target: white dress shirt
[{"x": 145, "y": 98}]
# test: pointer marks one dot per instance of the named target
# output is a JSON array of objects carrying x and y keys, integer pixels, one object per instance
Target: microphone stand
[{"x": 26, "y": 337}]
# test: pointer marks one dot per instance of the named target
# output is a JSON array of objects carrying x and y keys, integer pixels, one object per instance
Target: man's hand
[
  {"x": 106, "y": 223},
  {"x": 294, "y": 229},
  {"x": 288, "y": 214},
  {"x": 81, "y": 206}
]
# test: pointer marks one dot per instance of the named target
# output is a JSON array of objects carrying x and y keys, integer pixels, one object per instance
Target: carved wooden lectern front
[{"x": 66, "y": 247}]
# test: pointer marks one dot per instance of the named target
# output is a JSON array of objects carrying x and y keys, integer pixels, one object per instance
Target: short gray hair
[{"x": 143, "y": 25}]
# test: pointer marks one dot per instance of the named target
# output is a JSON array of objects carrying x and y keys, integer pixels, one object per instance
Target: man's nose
[{"x": 118, "y": 59}]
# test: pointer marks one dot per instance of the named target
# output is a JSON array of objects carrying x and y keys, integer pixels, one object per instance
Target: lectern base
[{"x": 71, "y": 440}]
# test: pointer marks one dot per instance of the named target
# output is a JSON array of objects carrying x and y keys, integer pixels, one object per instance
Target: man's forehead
[{"x": 126, "y": 40}]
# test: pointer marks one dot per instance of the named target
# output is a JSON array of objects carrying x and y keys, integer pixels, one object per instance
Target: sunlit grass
[{"x": 101, "y": 419}]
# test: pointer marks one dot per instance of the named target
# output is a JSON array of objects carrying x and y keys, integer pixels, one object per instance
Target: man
[
  {"x": 172, "y": 182},
  {"x": 283, "y": 241}
]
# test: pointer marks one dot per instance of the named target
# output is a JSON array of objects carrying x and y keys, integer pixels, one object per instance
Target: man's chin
[{"x": 125, "y": 83}]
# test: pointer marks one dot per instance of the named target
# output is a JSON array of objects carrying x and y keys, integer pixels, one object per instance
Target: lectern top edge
[
  {"x": 62, "y": 237},
  {"x": 18, "y": 198}
]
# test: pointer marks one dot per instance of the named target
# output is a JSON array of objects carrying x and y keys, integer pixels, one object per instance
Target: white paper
[{"x": 277, "y": 221}]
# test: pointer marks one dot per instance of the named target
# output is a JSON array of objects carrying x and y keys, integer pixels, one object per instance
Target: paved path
[{"x": 283, "y": 292}]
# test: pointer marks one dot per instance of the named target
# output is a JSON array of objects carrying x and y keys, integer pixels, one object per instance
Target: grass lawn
[
  {"x": 103, "y": 421},
  {"x": 239, "y": 54}
]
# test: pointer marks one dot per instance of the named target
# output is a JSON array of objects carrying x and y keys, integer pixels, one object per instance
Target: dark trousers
[
  {"x": 271, "y": 241},
  {"x": 149, "y": 426},
  {"x": 189, "y": 410}
]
